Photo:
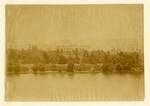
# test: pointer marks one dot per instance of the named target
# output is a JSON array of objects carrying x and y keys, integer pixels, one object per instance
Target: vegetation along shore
[{"x": 35, "y": 60}]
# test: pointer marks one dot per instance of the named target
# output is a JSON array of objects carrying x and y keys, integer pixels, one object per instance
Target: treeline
[{"x": 109, "y": 60}]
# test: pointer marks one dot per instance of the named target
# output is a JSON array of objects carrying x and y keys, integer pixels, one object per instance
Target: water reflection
[{"x": 75, "y": 86}]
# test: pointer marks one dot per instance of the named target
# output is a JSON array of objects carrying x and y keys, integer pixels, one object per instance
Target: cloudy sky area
[{"x": 96, "y": 26}]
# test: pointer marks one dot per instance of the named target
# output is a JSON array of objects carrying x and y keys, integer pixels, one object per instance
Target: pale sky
[{"x": 98, "y": 26}]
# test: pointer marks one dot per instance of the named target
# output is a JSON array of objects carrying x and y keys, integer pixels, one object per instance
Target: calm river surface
[{"x": 78, "y": 86}]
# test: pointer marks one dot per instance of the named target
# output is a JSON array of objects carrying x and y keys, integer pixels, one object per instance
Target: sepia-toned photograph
[{"x": 84, "y": 52}]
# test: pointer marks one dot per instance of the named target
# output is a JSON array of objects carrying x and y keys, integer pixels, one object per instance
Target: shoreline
[{"x": 74, "y": 72}]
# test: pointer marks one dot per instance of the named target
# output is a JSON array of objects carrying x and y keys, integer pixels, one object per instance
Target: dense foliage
[{"x": 109, "y": 60}]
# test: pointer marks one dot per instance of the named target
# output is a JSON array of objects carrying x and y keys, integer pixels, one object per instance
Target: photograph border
[{"x": 115, "y": 103}]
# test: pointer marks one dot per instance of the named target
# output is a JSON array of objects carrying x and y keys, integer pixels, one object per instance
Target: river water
[{"x": 78, "y": 86}]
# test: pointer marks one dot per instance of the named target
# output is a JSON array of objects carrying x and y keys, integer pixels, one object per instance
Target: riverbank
[{"x": 66, "y": 68}]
